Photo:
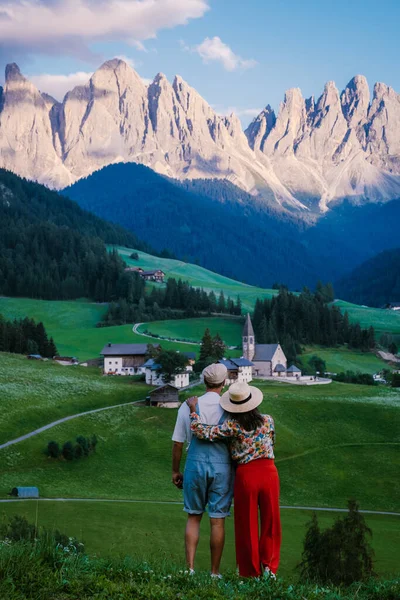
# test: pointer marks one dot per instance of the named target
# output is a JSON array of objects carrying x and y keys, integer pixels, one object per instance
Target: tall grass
[{"x": 43, "y": 570}]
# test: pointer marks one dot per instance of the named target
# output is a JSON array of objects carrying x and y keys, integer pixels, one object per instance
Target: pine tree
[{"x": 218, "y": 348}]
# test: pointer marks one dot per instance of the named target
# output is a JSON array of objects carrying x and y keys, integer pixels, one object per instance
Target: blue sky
[{"x": 238, "y": 55}]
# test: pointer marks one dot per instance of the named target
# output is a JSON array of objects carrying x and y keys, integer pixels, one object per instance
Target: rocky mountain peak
[
  {"x": 310, "y": 154},
  {"x": 13, "y": 73},
  {"x": 355, "y": 101}
]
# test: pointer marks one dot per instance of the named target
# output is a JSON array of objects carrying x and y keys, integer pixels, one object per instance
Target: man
[{"x": 209, "y": 475}]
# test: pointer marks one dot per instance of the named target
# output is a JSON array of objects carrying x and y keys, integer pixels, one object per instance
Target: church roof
[
  {"x": 279, "y": 368},
  {"x": 265, "y": 352},
  {"x": 248, "y": 327}
]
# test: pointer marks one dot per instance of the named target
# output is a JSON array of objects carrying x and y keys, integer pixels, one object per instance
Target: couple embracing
[{"x": 231, "y": 453}]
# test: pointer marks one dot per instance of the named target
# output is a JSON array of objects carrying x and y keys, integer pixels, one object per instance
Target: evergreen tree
[
  {"x": 221, "y": 303},
  {"x": 341, "y": 554},
  {"x": 218, "y": 348}
]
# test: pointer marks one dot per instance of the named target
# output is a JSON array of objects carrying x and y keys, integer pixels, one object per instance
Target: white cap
[{"x": 215, "y": 374}]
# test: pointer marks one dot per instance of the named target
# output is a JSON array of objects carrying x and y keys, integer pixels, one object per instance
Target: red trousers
[{"x": 257, "y": 489}]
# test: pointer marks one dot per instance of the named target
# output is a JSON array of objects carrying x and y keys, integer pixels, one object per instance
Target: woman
[{"x": 251, "y": 437}]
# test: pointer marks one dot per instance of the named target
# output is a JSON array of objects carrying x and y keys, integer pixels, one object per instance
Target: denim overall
[{"x": 208, "y": 478}]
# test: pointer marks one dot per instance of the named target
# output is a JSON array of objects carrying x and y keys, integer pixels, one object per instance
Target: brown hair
[
  {"x": 213, "y": 386},
  {"x": 249, "y": 421}
]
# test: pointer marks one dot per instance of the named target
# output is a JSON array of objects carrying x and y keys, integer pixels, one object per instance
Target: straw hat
[{"x": 241, "y": 398}]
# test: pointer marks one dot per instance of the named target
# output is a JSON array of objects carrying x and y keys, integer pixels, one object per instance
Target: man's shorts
[{"x": 208, "y": 485}]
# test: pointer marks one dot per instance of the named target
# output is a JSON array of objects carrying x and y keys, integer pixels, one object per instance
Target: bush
[
  {"x": 340, "y": 554},
  {"x": 68, "y": 451},
  {"x": 53, "y": 450},
  {"x": 396, "y": 380},
  {"x": 351, "y": 377},
  {"x": 83, "y": 448},
  {"x": 134, "y": 256},
  {"x": 317, "y": 364},
  {"x": 18, "y": 529}
]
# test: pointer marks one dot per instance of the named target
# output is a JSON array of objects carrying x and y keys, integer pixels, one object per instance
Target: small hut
[
  {"x": 293, "y": 371},
  {"x": 165, "y": 396},
  {"x": 25, "y": 492},
  {"x": 279, "y": 370}
]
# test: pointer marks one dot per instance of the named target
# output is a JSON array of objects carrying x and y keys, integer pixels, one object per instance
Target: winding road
[{"x": 156, "y": 337}]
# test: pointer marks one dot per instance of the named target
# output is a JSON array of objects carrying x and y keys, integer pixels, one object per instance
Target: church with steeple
[{"x": 268, "y": 360}]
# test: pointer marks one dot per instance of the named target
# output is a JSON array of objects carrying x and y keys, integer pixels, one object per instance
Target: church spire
[
  {"x": 248, "y": 327},
  {"x": 248, "y": 341}
]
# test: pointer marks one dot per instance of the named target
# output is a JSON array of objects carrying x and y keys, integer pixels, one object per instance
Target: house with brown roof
[
  {"x": 124, "y": 359},
  {"x": 269, "y": 360}
]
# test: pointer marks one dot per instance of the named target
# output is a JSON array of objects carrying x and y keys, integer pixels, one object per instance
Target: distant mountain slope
[
  {"x": 375, "y": 282},
  {"x": 311, "y": 155},
  {"x": 51, "y": 248},
  {"x": 224, "y": 229},
  {"x": 227, "y": 231}
]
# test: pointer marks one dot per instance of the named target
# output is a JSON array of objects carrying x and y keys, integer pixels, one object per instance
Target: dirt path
[
  {"x": 63, "y": 420},
  {"x": 174, "y": 503}
]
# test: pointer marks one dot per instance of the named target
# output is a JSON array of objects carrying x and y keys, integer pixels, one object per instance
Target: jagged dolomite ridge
[{"x": 311, "y": 154}]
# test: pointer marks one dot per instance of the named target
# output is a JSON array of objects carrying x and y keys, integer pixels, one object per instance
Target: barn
[{"x": 165, "y": 396}]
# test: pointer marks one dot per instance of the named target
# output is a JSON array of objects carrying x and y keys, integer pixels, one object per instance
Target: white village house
[
  {"x": 239, "y": 369},
  {"x": 124, "y": 359},
  {"x": 153, "y": 377}
]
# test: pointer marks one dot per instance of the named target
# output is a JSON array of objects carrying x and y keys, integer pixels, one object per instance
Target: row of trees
[
  {"x": 83, "y": 448},
  {"x": 178, "y": 299},
  {"x": 24, "y": 336},
  {"x": 307, "y": 318}
]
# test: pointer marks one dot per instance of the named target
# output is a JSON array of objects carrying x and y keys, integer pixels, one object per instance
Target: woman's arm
[{"x": 212, "y": 432}]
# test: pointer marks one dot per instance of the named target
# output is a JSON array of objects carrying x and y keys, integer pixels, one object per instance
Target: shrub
[
  {"x": 134, "y": 256},
  {"x": 68, "y": 451},
  {"x": 317, "y": 364},
  {"x": 341, "y": 554},
  {"x": 53, "y": 450},
  {"x": 351, "y": 377},
  {"x": 396, "y": 380}
]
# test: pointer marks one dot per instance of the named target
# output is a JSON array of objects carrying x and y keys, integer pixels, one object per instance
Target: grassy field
[
  {"x": 35, "y": 393},
  {"x": 342, "y": 359},
  {"x": 333, "y": 442},
  {"x": 382, "y": 320},
  {"x": 136, "y": 530},
  {"x": 73, "y": 325},
  {"x": 230, "y": 329},
  {"x": 198, "y": 277}
]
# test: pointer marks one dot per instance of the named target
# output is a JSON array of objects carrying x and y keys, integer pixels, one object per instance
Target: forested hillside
[
  {"x": 221, "y": 227},
  {"x": 211, "y": 223},
  {"x": 51, "y": 248},
  {"x": 375, "y": 282}
]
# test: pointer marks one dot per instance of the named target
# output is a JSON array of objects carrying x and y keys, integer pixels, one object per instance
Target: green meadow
[
  {"x": 73, "y": 325},
  {"x": 333, "y": 442},
  {"x": 154, "y": 533},
  {"x": 342, "y": 359},
  {"x": 383, "y": 321},
  {"x": 198, "y": 277},
  {"x": 229, "y": 328}
]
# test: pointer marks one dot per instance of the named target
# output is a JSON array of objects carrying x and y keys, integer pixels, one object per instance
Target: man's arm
[{"x": 177, "y": 477}]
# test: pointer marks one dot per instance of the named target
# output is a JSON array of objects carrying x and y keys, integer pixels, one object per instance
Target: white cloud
[
  {"x": 214, "y": 49},
  {"x": 58, "y": 85},
  {"x": 70, "y": 26}
]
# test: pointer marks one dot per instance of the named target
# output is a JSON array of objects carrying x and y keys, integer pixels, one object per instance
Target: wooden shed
[{"x": 165, "y": 396}]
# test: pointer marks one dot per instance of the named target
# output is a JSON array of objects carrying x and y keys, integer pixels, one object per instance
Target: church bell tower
[{"x": 248, "y": 340}]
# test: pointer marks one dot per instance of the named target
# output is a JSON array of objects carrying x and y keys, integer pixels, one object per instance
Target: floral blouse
[{"x": 245, "y": 446}]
